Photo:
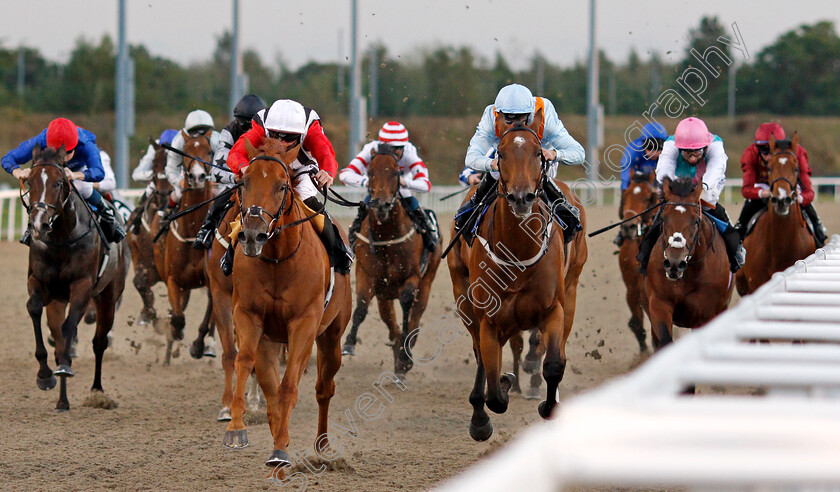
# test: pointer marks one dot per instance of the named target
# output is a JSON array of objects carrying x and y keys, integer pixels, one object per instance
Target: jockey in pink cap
[{"x": 696, "y": 153}]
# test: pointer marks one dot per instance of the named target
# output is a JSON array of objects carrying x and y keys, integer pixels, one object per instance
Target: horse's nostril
[
  {"x": 511, "y": 197},
  {"x": 241, "y": 237},
  {"x": 530, "y": 197},
  {"x": 667, "y": 264},
  {"x": 682, "y": 265},
  {"x": 261, "y": 238}
]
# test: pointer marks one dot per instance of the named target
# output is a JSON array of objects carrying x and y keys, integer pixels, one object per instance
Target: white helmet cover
[
  {"x": 515, "y": 99},
  {"x": 198, "y": 118},
  {"x": 285, "y": 116}
]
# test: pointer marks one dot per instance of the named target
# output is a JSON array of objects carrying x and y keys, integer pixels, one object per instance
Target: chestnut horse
[
  {"x": 140, "y": 241},
  {"x": 780, "y": 236},
  {"x": 692, "y": 284},
  {"x": 390, "y": 263},
  {"x": 284, "y": 291},
  {"x": 69, "y": 264},
  {"x": 179, "y": 264},
  {"x": 639, "y": 196},
  {"x": 520, "y": 277}
]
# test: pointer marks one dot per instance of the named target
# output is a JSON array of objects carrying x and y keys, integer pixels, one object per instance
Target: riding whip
[{"x": 605, "y": 229}]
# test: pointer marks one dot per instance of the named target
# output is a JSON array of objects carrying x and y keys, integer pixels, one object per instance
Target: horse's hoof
[
  {"x": 545, "y": 409},
  {"x": 209, "y": 351},
  {"x": 58, "y": 410},
  {"x": 63, "y": 370},
  {"x": 224, "y": 415},
  {"x": 348, "y": 349},
  {"x": 481, "y": 433},
  {"x": 532, "y": 393},
  {"x": 279, "y": 457},
  {"x": 236, "y": 439},
  {"x": 197, "y": 351},
  {"x": 531, "y": 366},
  {"x": 46, "y": 384}
]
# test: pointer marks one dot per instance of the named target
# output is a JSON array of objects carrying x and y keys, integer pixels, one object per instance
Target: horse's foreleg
[
  {"x": 364, "y": 293},
  {"x": 661, "y": 322},
  {"x": 79, "y": 297},
  {"x": 329, "y": 361},
  {"x": 402, "y": 362},
  {"x": 554, "y": 364},
  {"x": 35, "y": 306},
  {"x": 105, "y": 309},
  {"x": 268, "y": 376},
  {"x": 177, "y": 321},
  {"x": 248, "y": 333},
  {"x": 635, "y": 297},
  {"x": 222, "y": 311},
  {"x": 302, "y": 331},
  {"x": 491, "y": 356},
  {"x": 517, "y": 344},
  {"x": 481, "y": 428},
  {"x": 197, "y": 347},
  {"x": 531, "y": 365}
]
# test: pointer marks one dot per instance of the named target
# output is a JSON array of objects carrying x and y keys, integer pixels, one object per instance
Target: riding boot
[
  {"x": 341, "y": 257},
  {"x": 26, "y": 237},
  {"x": 226, "y": 263},
  {"x": 114, "y": 232},
  {"x": 731, "y": 238},
  {"x": 136, "y": 217},
  {"x": 204, "y": 236},
  {"x": 356, "y": 226},
  {"x": 751, "y": 207},
  {"x": 648, "y": 242},
  {"x": 466, "y": 215},
  {"x": 422, "y": 223},
  {"x": 566, "y": 214},
  {"x": 820, "y": 232}
]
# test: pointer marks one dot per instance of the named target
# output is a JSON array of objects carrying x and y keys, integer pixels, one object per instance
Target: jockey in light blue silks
[{"x": 515, "y": 104}]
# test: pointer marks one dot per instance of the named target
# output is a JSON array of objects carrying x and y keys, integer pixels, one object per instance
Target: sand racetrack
[{"x": 163, "y": 434}]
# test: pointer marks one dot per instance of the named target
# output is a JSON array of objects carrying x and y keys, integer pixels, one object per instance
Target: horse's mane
[
  {"x": 783, "y": 144},
  {"x": 640, "y": 178},
  {"x": 47, "y": 154},
  {"x": 682, "y": 186}
]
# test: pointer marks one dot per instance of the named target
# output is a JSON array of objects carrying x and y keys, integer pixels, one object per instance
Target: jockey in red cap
[{"x": 756, "y": 189}]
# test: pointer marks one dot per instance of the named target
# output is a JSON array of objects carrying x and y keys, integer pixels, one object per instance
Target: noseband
[
  {"x": 393, "y": 199},
  {"x": 49, "y": 206},
  {"x": 543, "y": 162},
  {"x": 204, "y": 166},
  {"x": 698, "y": 222}
]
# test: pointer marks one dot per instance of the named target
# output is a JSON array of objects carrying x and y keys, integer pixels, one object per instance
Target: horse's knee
[
  {"x": 408, "y": 295},
  {"x": 554, "y": 369},
  {"x": 100, "y": 343},
  {"x": 178, "y": 321}
]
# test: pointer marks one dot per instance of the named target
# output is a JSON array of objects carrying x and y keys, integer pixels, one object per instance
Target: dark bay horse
[
  {"x": 389, "y": 262},
  {"x": 140, "y": 240},
  {"x": 179, "y": 264},
  {"x": 284, "y": 291},
  {"x": 692, "y": 283},
  {"x": 780, "y": 236},
  {"x": 639, "y": 196},
  {"x": 516, "y": 276},
  {"x": 69, "y": 264}
]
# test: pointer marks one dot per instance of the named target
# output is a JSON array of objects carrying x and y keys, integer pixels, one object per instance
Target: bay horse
[
  {"x": 692, "y": 284},
  {"x": 69, "y": 264},
  {"x": 390, "y": 262},
  {"x": 780, "y": 236},
  {"x": 639, "y": 196},
  {"x": 146, "y": 273},
  {"x": 284, "y": 291},
  {"x": 520, "y": 277},
  {"x": 179, "y": 264}
]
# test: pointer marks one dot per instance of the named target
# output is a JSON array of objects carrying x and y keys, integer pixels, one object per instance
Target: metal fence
[
  {"x": 776, "y": 428},
  {"x": 13, "y": 216}
]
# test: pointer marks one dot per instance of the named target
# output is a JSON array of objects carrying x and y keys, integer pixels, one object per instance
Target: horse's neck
[
  {"x": 397, "y": 224},
  {"x": 782, "y": 227},
  {"x": 708, "y": 234},
  {"x": 285, "y": 242},
  {"x": 517, "y": 235},
  {"x": 193, "y": 197}
]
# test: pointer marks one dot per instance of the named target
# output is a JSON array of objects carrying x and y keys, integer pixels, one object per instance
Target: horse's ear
[
  {"x": 697, "y": 191},
  {"x": 539, "y": 119},
  {"x": 794, "y": 144},
  {"x": 666, "y": 187},
  {"x": 651, "y": 178},
  {"x": 772, "y": 143},
  {"x": 500, "y": 126},
  {"x": 249, "y": 148},
  {"x": 153, "y": 143},
  {"x": 60, "y": 154},
  {"x": 36, "y": 151}
]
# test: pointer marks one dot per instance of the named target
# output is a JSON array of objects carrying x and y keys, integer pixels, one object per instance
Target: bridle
[
  {"x": 793, "y": 190},
  {"x": 396, "y": 173},
  {"x": 698, "y": 224},
  {"x": 642, "y": 227},
  {"x": 543, "y": 162},
  {"x": 187, "y": 175},
  {"x": 66, "y": 189}
]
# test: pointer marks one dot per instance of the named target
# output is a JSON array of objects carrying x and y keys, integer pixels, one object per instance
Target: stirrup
[
  {"x": 226, "y": 263},
  {"x": 26, "y": 237},
  {"x": 203, "y": 239}
]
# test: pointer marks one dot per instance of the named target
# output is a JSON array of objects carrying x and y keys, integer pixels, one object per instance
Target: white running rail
[{"x": 640, "y": 431}]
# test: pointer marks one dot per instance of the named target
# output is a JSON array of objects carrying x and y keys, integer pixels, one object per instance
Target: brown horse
[
  {"x": 140, "y": 241},
  {"x": 390, "y": 263},
  {"x": 692, "y": 284},
  {"x": 284, "y": 291},
  {"x": 69, "y": 264},
  {"x": 521, "y": 276},
  {"x": 780, "y": 236},
  {"x": 179, "y": 264},
  {"x": 639, "y": 196}
]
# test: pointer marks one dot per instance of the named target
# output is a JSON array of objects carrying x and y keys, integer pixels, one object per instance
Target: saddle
[{"x": 754, "y": 219}]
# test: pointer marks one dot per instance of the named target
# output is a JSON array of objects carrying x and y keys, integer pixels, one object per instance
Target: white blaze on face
[
  {"x": 783, "y": 160},
  {"x": 680, "y": 209},
  {"x": 637, "y": 190},
  {"x": 519, "y": 141},
  {"x": 782, "y": 193},
  {"x": 677, "y": 240},
  {"x": 40, "y": 213}
]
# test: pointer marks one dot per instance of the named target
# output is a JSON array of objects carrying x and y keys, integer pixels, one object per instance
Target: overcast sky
[{"x": 300, "y": 31}]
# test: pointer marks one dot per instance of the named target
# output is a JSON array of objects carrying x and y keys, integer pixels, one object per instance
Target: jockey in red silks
[
  {"x": 756, "y": 188},
  {"x": 296, "y": 126},
  {"x": 414, "y": 176}
]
